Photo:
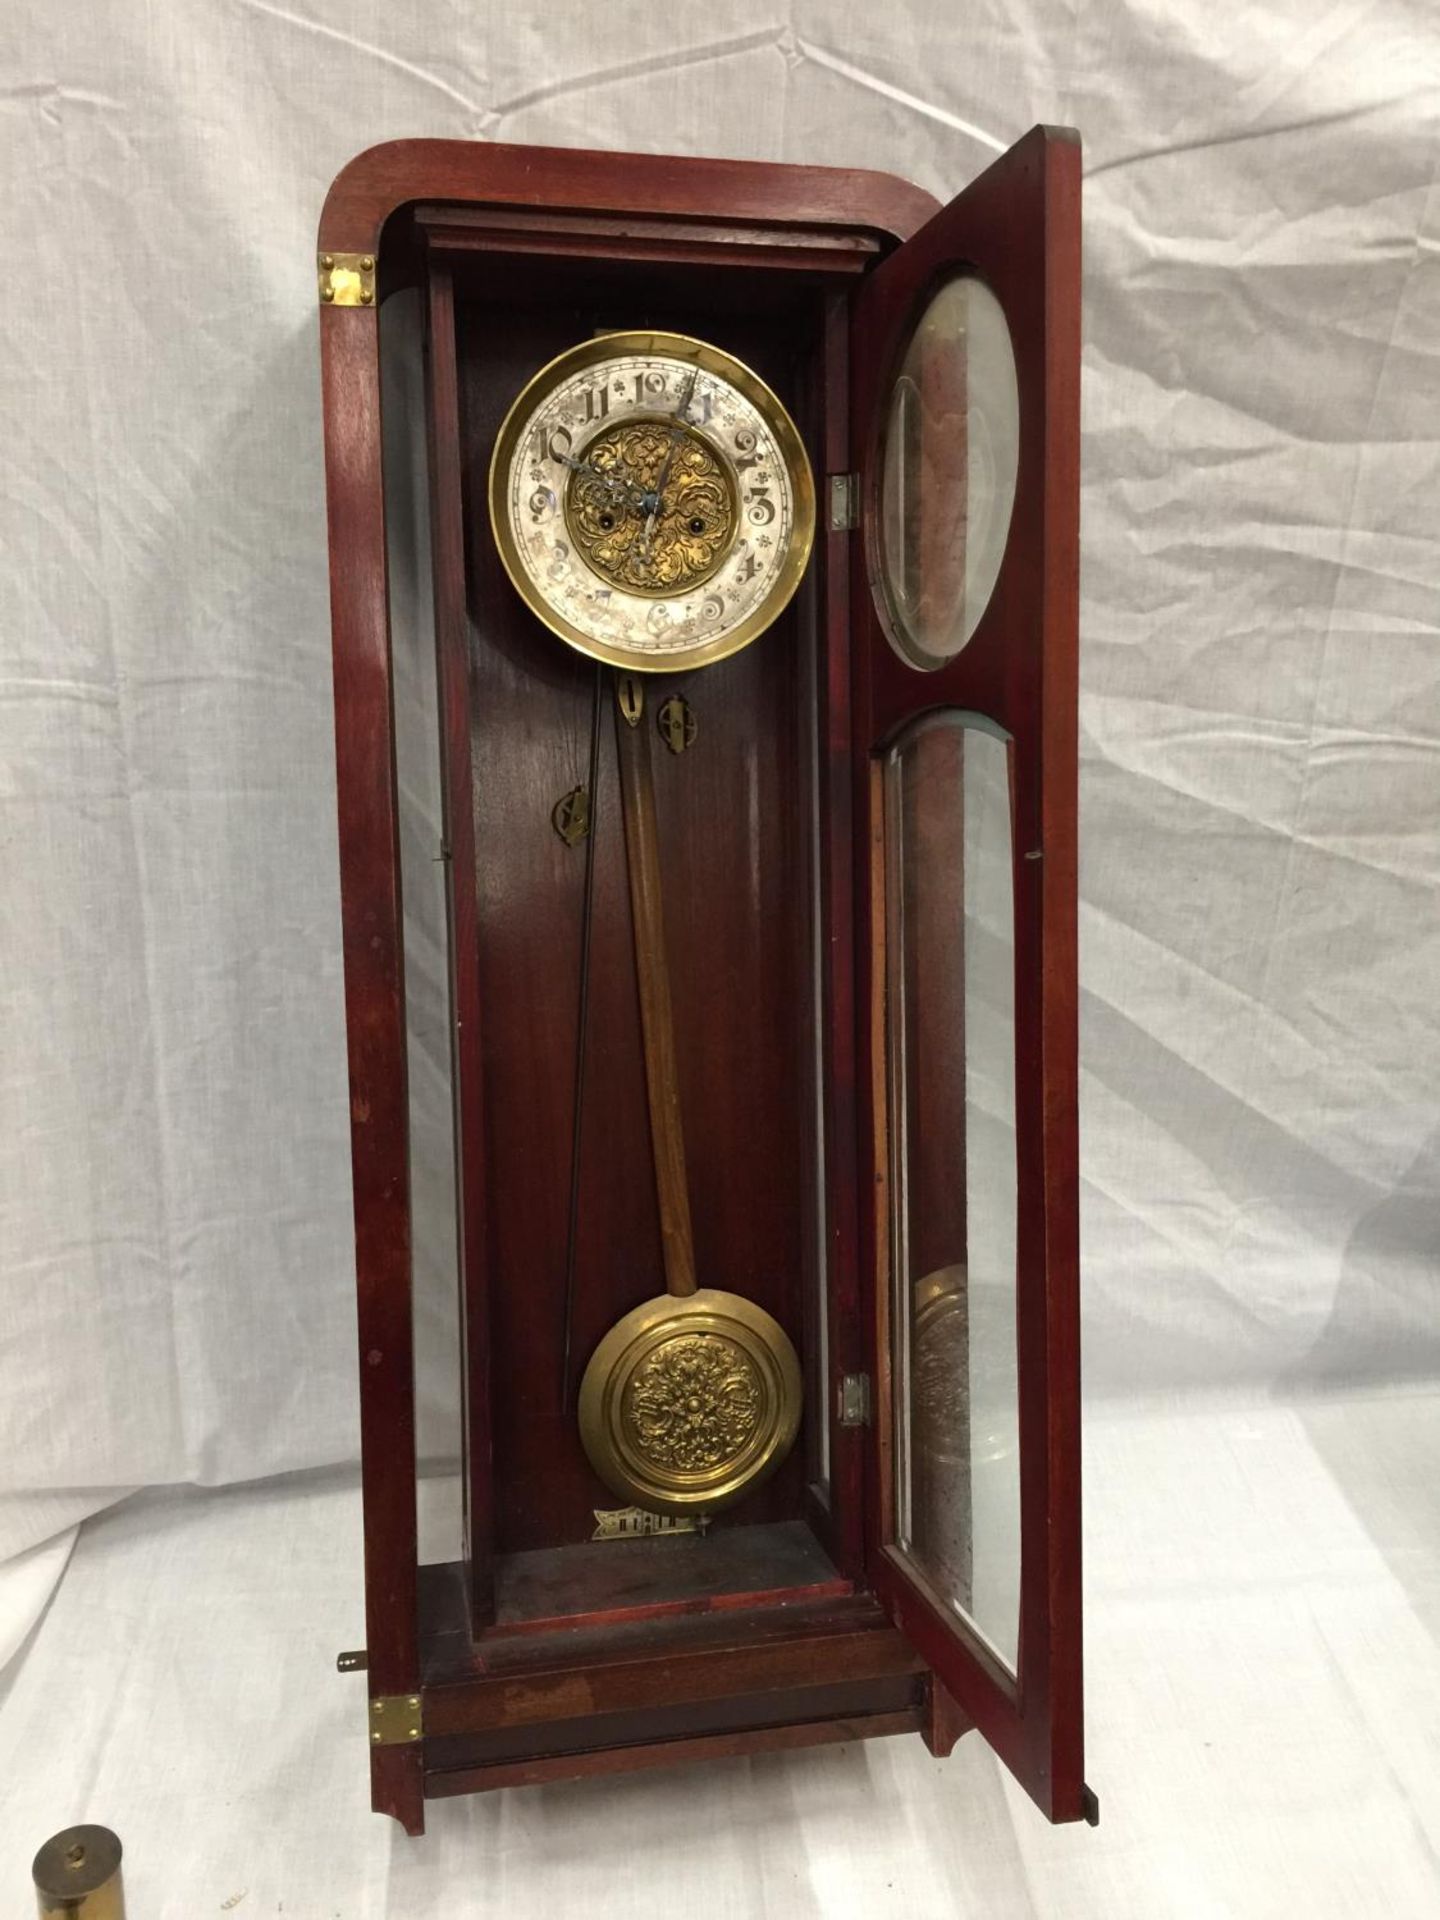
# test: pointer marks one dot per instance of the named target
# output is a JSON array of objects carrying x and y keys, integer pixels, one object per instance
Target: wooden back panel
[{"x": 734, "y": 822}]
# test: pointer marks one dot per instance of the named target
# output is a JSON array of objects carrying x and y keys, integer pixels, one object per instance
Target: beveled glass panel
[
  {"x": 950, "y": 961},
  {"x": 951, "y": 450}
]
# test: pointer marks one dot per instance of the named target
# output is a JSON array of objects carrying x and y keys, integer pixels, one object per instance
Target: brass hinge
[
  {"x": 347, "y": 279},
  {"x": 844, "y": 502},
  {"x": 853, "y": 1409},
  {"x": 396, "y": 1720}
]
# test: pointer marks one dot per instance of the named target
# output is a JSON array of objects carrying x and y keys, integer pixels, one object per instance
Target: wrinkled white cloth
[
  {"x": 1261, "y": 675},
  {"x": 1264, "y": 1719}
]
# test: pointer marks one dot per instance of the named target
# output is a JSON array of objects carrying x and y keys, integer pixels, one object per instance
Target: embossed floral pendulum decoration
[{"x": 694, "y": 1403}]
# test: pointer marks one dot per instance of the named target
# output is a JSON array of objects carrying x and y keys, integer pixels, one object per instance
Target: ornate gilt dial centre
[{"x": 652, "y": 509}]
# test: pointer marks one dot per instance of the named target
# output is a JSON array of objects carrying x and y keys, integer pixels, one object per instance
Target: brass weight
[
  {"x": 77, "y": 1873},
  {"x": 693, "y": 1397}
]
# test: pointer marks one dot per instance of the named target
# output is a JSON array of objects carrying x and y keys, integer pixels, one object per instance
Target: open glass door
[{"x": 966, "y": 347}]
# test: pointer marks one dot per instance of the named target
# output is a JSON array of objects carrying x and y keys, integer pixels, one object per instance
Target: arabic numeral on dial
[
  {"x": 542, "y": 503},
  {"x": 560, "y": 556},
  {"x": 649, "y": 385},
  {"x": 700, "y": 409},
  {"x": 747, "y": 569},
  {"x": 597, "y": 404},
  {"x": 552, "y": 443},
  {"x": 712, "y": 609},
  {"x": 747, "y": 452},
  {"x": 760, "y": 506}
]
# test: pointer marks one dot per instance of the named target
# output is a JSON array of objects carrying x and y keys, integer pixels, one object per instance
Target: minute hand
[{"x": 677, "y": 434}]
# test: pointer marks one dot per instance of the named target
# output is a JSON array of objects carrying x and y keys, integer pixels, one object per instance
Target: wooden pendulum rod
[
  {"x": 657, "y": 1020},
  {"x": 582, "y": 1024},
  {"x": 735, "y": 1367}
]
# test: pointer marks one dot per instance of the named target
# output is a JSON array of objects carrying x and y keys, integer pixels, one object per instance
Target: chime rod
[{"x": 582, "y": 1024}]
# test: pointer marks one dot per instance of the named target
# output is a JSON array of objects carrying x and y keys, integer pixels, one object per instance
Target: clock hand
[
  {"x": 677, "y": 434},
  {"x": 632, "y": 494},
  {"x": 653, "y": 515}
]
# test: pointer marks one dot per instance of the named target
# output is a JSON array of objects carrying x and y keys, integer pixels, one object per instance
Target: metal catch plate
[
  {"x": 396, "y": 1720},
  {"x": 854, "y": 1400},
  {"x": 677, "y": 724},
  {"x": 844, "y": 502},
  {"x": 347, "y": 279}
]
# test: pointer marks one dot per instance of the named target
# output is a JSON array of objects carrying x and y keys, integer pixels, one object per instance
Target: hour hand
[
  {"x": 623, "y": 487},
  {"x": 585, "y": 466}
]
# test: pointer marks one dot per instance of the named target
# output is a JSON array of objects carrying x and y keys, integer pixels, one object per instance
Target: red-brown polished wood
[
  {"x": 787, "y": 1737},
  {"x": 447, "y": 533},
  {"x": 368, "y": 192},
  {"x": 524, "y": 251},
  {"x": 375, "y": 1020},
  {"x": 734, "y": 1713},
  {"x": 1018, "y": 226},
  {"x": 945, "y": 1722},
  {"x": 729, "y": 193}
]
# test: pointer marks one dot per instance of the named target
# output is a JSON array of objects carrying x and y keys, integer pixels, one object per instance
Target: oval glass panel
[{"x": 948, "y": 464}]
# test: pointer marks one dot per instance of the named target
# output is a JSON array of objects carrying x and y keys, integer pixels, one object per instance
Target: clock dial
[{"x": 652, "y": 501}]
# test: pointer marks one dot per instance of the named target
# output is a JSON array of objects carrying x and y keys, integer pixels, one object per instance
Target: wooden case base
[{"x": 670, "y": 1649}]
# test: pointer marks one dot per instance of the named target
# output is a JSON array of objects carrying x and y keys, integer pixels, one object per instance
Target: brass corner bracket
[
  {"x": 396, "y": 1720},
  {"x": 347, "y": 279}
]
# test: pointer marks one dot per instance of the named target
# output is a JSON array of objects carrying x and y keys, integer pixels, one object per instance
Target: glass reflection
[
  {"x": 951, "y": 1041},
  {"x": 952, "y": 444}
]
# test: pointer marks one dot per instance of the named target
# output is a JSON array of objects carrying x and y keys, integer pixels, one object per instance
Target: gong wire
[{"x": 581, "y": 1026}]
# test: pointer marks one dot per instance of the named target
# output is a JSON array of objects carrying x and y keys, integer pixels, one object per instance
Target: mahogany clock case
[{"x": 542, "y": 1652}]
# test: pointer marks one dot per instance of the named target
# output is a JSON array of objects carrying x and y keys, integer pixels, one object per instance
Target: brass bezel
[
  {"x": 638, "y": 1334},
  {"x": 789, "y": 447}
]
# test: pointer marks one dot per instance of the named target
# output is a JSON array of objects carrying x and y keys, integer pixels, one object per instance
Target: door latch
[{"x": 853, "y": 1409}]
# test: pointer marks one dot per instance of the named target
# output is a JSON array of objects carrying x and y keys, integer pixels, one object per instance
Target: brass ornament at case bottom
[
  {"x": 688, "y": 1403},
  {"x": 638, "y": 1523}
]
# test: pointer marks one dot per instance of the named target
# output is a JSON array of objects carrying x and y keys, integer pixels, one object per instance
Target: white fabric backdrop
[{"x": 1261, "y": 706}]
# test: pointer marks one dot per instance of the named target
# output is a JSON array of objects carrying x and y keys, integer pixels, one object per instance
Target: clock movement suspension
[{"x": 694, "y": 1396}]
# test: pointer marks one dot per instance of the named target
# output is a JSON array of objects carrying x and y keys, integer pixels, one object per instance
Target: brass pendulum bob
[{"x": 693, "y": 1397}]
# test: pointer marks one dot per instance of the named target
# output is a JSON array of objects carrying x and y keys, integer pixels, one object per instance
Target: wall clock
[{"x": 752, "y": 496}]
